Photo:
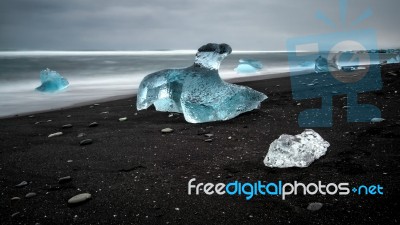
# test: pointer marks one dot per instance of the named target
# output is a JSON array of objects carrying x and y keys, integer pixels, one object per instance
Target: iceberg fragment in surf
[
  {"x": 393, "y": 60},
  {"x": 321, "y": 65},
  {"x": 296, "y": 151},
  {"x": 198, "y": 91},
  {"x": 51, "y": 81},
  {"x": 248, "y": 66}
]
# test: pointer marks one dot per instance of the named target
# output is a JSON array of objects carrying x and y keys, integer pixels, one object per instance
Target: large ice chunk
[
  {"x": 52, "y": 81},
  {"x": 198, "y": 91},
  {"x": 248, "y": 66},
  {"x": 296, "y": 151}
]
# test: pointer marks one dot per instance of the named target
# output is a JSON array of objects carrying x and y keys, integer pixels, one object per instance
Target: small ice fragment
[
  {"x": 377, "y": 120},
  {"x": 52, "y": 81},
  {"x": 254, "y": 63},
  {"x": 248, "y": 66},
  {"x": 122, "y": 119},
  {"x": 321, "y": 65},
  {"x": 296, "y": 151},
  {"x": 198, "y": 91},
  {"x": 245, "y": 68}
]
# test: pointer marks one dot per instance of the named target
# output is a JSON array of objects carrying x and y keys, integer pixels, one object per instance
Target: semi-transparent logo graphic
[
  {"x": 280, "y": 188},
  {"x": 343, "y": 62}
]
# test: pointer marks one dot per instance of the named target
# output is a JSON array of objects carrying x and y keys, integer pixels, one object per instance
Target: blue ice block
[
  {"x": 52, "y": 81},
  {"x": 198, "y": 91}
]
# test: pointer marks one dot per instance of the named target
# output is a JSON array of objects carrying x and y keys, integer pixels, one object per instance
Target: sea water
[{"x": 97, "y": 75}]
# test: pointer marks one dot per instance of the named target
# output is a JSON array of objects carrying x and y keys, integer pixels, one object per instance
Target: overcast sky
[{"x": 182, "y": 24}]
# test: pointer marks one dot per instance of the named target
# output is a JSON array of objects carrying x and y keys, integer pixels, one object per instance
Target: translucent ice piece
[
  {"x": 394, "y": 60},
  {"x": 248, "y": 66},
  {"x": 321, "y": 65},
  {"x": 198, "y": 91},
  {"x": 52, "y": 81},
  {"x": 296, "y": 151}
]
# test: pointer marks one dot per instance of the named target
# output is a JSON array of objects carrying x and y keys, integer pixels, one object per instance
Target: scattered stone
[
  {"x": 105, "y": 112},
  {"x": 96, "y": 104},
  {"x": 315, "y": 206},
  {"x": 208, "y": 140},
  {"x": 122, "y": 119},
  {"x": 209, "y": 135},
  {"x": 177, "y": 209},
  {"x": 15, "y": 214},
  {"x": 86, "y": 142},
  {"x": 79, "y": 198},
  {"x": 69, "y": 116},
  {"x": 31, "y": 116},
  {"x": 377, "y": 120},
  {"x": 67, "y": 126},
  {"x": 81, "y": 135},
  {"x": 30, "y": 195},
  {"x": 171, "y": 115},
  {"x": 69, "y": 161},
  {"x": 64, "y": 180},
  {"x": 15, "y": 198},
  {"x": 94, "y": 124},
  {"x": 56, "y": 134},
  {"x": 22, "y": 184},
  {"x": 167, "y": 130}
]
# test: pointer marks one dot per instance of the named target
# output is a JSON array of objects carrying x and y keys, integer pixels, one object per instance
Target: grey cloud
[{"x": 178, "y": 24}]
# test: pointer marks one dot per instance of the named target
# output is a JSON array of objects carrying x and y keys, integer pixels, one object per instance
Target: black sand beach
[{"x": 137, "y": 175}]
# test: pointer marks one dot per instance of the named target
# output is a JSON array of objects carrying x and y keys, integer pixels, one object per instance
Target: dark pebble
[
  {"x": 86, "y": 142},
  {"x": 22, "y": 184},
  {"x": 30, "y": 195},
  {"x": 315, "y": 206},
  {"x": 64, "y": 180},
  {"x": 209, "y": 135},
  {"x": 94, "y": 124}
]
